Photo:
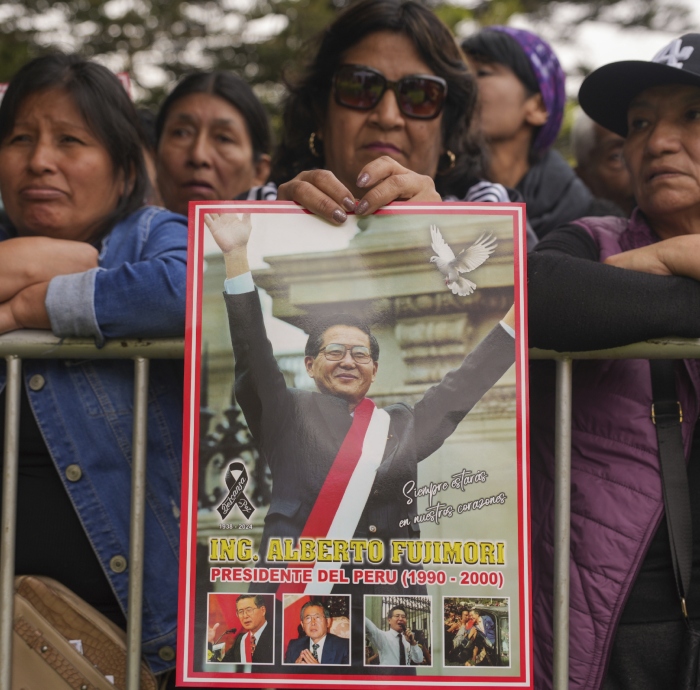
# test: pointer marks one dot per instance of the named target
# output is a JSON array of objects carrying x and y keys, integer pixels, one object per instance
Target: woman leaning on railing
[
  {"x": 82, "y": 256},
  {"x": 600, "y": 283}
]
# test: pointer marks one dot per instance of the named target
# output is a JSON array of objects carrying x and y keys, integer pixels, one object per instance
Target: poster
[{"x": 355, "y": 508}]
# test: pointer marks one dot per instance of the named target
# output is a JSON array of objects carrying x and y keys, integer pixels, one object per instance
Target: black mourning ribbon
[{"x": 235, "y": 496}]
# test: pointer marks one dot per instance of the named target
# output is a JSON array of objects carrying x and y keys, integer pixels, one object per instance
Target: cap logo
[{"x": 674, "y": 54}]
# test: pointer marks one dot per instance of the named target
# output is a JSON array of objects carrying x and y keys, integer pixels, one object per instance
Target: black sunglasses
[{"x": 361, "y": 88}]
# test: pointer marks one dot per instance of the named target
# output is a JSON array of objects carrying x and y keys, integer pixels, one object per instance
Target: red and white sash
[{"x": 344, "y": 493}]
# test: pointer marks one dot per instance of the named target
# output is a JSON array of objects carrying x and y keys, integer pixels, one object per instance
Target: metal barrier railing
[
  {"x": 668, "y": 348},
  {"x": 43, "y": 345}
]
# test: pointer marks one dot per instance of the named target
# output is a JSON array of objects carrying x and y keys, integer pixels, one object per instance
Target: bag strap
[{"x": 667, "y": 415}]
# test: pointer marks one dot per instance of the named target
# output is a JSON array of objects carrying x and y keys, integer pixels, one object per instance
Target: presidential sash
[{"x": 343, "y": 496}]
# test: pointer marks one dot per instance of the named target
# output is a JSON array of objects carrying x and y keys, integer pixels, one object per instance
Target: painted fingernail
[
  {"x": 339, "y": 216},
  {"x": 349, "y": 204},
  {"x": 362, "y": 207},
  {"x": 362, "y": 180}
]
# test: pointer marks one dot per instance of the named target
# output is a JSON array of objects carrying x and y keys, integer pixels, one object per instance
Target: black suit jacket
[
  {"x": 336, "y": 650},
  {"x": 263, "y": 650},
  {"x": 300, "y": 432}
]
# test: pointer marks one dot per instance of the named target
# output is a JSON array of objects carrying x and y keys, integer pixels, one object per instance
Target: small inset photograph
[
  {"x": 240, "y": 628},
  {"x": 477, "y": 631},
  {"x": 316, "y": 629},
  {"x": 398, "y": 631}
]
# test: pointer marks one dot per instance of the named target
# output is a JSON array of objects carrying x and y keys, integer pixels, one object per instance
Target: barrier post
[
  {"x": 562, "y": 522},
  {"x": 9, "y": 516},
  {"x": 138, "y": 515}
]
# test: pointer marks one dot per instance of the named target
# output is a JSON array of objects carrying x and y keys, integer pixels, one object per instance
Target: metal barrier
[
  {"x": 43, "y": 345},
  {"x": 668, "y": 348}
]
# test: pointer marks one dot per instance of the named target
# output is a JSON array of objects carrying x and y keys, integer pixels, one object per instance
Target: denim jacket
[{"x": 85, "y": 408}]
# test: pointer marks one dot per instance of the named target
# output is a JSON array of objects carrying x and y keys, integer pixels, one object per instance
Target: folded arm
[
  {"x": 142, "y": 297},
  {"x": 25, "y": 261},
  {"x": 25, "y": 310},
  {"x": 576, "y": 303}
]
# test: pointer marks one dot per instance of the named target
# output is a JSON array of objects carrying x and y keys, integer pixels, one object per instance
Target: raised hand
[
  {"x": 212, "y": 633},
  {"x": 230, "y": 231},
  {"x": 231, "y": 234}
]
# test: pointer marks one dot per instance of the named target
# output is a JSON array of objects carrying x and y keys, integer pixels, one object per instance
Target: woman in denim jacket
[{"x": 82, "y": 256}]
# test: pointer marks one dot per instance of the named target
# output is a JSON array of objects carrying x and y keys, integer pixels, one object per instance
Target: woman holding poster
[{"x": 383, "y": 113}]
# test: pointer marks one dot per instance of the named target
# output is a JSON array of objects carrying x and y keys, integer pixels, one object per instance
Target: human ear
[
  {"x": 535, "y": 112},
  {"x": 309, "y": 364},
  {"x": 261, "y": 170}
]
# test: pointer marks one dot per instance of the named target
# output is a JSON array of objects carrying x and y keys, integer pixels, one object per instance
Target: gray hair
[{"x": 326, "y": 612}]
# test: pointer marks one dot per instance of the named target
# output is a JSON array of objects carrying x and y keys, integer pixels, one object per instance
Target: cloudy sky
[{"x": 594, "y": 44}]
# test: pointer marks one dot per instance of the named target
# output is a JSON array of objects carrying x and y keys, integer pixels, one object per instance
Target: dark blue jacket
[
  {"x": 85, "y": 407},
  {"x": 336, "y": 650}
]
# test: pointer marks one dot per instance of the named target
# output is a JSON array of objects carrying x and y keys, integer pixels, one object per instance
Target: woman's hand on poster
[
  {"x": 306, "y": 657},
  {"x": 385, "y": 180},
  {"x": 678, "y": 256},
  {"x": 320, "y": 192}
]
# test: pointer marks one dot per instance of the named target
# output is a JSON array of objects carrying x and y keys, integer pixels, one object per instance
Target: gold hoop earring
[
  {"x": 312, "y": 145},
  {"x": 453, "y": 160}
]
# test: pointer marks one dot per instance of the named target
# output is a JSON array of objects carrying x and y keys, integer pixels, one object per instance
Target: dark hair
[
  {"x": 106, "y": 108},
  {"x": 232, "y": 89},
  {"x": 396, "y": 608},
  {"x": 257, "y": 599},
  {"x": 326, "y": 612},
  {"x": 496, "y": 46},
  {"x": 147, "y": 120},
  {"x": 307, "y": 102},
  {"x": 321, "y": 325}
]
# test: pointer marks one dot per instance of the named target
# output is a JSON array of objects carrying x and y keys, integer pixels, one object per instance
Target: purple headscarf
[{"x": 550, "y": 77}]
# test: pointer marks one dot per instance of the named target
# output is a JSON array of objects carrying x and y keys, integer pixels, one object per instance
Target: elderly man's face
[
  {"x": 662, "y": 150},
  {"x": 251, "y": 616},
  {"x": 314, "y": 622},
  {"x": 397, "y": 621},
  {"x": 346, "y": 378}
]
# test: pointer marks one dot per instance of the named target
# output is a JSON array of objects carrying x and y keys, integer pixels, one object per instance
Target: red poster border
[{"x": 186, "y": 677}]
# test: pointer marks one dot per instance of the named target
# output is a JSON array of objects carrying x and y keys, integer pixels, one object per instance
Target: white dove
[{"x": 467, "y": 260}]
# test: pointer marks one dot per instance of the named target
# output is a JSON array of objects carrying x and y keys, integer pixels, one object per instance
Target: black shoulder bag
[{"x": 667, "y": 415}]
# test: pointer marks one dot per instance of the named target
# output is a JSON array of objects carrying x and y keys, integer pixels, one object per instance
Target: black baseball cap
[{"x": 606, "y": 94}]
